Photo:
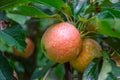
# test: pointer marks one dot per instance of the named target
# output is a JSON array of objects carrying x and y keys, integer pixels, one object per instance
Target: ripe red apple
[
  {"x": 27, "y": 51},
  {"x": 61, "y": 42},
  {"x": 90, "y": 50}
]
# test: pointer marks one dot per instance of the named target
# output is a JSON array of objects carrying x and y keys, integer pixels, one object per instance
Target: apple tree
[{"x": 59, "y": 40}]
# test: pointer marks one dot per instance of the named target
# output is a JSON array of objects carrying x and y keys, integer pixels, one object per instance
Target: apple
[
  {"x": 90, "y": 50},
  {"x": 61, "y": 42},
  {"x": 27, "y": 51}
]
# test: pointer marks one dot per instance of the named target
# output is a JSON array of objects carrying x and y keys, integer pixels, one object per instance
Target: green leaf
[
  {"x": 113, "y": 11},
  {"x": 92, "y": 70},
  {"x": 4, "y": 47},
  {"x": 8, "y": 4},
  {"x": 14, "y": 36},
  {"x": 106, "y": 68},
  {"x": 78, "y": 6},
  {"x": 109, "y": 27},
  {"x": 83, "y": 9},
  {"x": 115, "y": 73},
  {"x": 111, "y": 77},
  {"x": 105, "y": 23},
  {"x": 17, "y": 18},
  {"x": 106, "y": 3},
  {"x": 115, "y": 69},
  {"x": 58, "y": 4},
  {"x": 40, "y": 72},
  {"x": 59, "y": 71},
  {"x": 106, "y": 15},
  {"x": 6, "y": 72},
  {"x": 29, "y": 11},
  {"x": 98, "y": 8},
  {"x": 90, "y": 9}
]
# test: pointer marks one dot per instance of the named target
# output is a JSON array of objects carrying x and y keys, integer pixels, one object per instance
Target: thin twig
[{"x": 49, "y": 70}]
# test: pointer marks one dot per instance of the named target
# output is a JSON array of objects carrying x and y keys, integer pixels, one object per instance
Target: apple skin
[
  {"x": 27, "y": 51},
  {"x": 90, "y": 50},
  {"x": 61, "y": 42}
]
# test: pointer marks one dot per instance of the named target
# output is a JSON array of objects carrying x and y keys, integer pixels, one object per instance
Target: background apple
[{"x": 27, "y": 51}]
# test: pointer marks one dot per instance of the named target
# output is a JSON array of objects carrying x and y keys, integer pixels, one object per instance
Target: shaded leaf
[
  {"x": 40, "y": 72},
  {"x": 116, "y": 6},
  {"x": 6, "y": 72},
  {"x": 14, "y": 36},
  {"x": 3, "y": 16},
  {"x": 92, "y": 70},
  {"x": 114, "y": 43},
  {"x": 7, "y": 4}
]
